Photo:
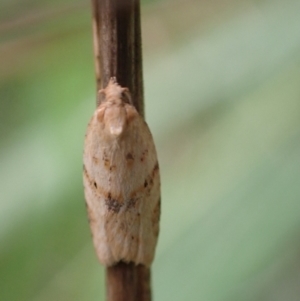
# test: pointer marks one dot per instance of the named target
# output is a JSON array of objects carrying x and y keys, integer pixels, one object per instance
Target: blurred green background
[{"x": 222, "y": 91}]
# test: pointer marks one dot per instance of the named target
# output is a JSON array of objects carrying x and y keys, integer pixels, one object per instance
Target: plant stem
[
  {"x": 117, "y": 45},
  {"x": 128, "y": 282},
  {"x": 117, "y": 48}
]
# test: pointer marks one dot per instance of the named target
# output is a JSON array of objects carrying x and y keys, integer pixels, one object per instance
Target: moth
[{"x": 121, "y": 180}]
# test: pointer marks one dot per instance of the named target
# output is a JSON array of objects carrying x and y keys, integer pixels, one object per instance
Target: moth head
[
  {"x": 114, "y": 93},
  {"x": 112, "y": 113}
]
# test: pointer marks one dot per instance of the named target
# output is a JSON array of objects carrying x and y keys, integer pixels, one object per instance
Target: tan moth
[{"x": 121, "y": 181}]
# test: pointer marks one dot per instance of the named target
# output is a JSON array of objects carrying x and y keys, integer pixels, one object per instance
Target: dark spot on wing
[
  {"x": 112, "y": 204},
  {"x": 131, "y": 203},
  {"x": 144, "y": 155},
  {"x": 106, "y": 163},
  {"x": 106, "y": 160},
  {"x": 129, "y": 156},
  {"x": 156, "y": 168},
  {"x": 129, "y": 159},
  {"x": 155, "y": 218}
]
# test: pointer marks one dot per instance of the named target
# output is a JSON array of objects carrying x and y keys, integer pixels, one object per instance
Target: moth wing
[{"x": 122, "y": 190}]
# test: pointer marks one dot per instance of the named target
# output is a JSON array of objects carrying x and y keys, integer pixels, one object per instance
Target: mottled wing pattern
[{"x": 122, "y": 189}]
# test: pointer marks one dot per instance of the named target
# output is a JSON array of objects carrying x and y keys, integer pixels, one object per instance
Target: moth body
[{"x": 121, "y": 181}]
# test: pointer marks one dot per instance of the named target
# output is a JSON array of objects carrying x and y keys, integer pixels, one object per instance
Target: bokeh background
[{"x": 222, "y": 91}]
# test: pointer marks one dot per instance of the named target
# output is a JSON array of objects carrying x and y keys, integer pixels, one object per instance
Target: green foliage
[{"x": 222, "y": 99}]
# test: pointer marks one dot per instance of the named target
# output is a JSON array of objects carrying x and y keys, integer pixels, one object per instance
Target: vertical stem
[
  {"x": 128, "y": 282},
  {"x": 117, "y": 47}
]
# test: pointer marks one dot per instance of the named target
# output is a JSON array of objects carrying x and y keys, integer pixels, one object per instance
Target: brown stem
[
  {"x": 117, "y": 47},
  {"x": 128, "y": 282}
]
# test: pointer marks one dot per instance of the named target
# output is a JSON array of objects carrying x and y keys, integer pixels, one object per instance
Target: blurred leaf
[{"x": 222, "y": 97}]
